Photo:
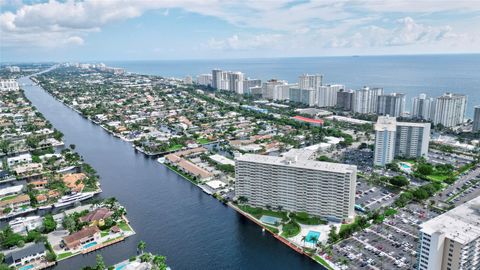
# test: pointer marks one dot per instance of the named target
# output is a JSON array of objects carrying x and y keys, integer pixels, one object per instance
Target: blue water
[
  {"x": 91, "y": 244},
  {"x": 312, "y": 237},
  {"x": 175, "y": 218},
  {"x": 26, "y": 267},
  {"x": 431, "y": 74},
  {"x": 405, "y": 166},
  {"x": 121, "y": 266}
]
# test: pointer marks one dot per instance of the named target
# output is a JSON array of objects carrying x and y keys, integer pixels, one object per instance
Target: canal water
[{"x": 175, "y": 218}]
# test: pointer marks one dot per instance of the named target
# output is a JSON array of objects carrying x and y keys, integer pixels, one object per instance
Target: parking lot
[
  {"x": 468, "y": 180},
  {"x": 439, "y": 157},
  {"x": 363, "y": 159},
  {"x": 390, "y": 245},
  {"x": 372, "y": 197}
]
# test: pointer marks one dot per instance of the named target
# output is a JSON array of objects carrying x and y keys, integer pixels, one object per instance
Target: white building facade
[{"x": 297, "y": 184}]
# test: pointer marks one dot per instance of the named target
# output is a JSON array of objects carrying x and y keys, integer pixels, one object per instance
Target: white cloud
[{"x": 280, "y": 25}]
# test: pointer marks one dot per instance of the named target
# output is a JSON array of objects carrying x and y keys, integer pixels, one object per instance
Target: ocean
[{"x": 411, "y": 74}]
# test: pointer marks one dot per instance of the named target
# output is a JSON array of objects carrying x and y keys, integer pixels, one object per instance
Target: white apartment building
[
  {"x": 308, "y": 81},
  {"x": 392, "y": 104},
  {"x": 282, "y": 92},
  {"x": 449, "y": 109},
  {"x": 204, "y": 79},
  {"x": 451, "y": 241},
  {"x": 250, "y": 83},
  {"x": 297, "y": 184},
  {"x": 385, "y": 131},
  {"x": 9, "y": 85},
  {"x": 304, "y": 96},
  {"x": 220, "y": 79},
  {"x": 422, "y": 107},
  {"x": 327, "y": 95},
  {"x": 399, "y": 139},
  {"x": 235, "y": 81},
  {"x": 365, "y": 100},
  {"x": 476, "y": 119},
  {"x": 268, "y": 88}
]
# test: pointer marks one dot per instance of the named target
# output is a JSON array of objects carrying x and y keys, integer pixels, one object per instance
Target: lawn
[
  {"x": 175, "y": 147},
  {"x": 272, "y": 229},
  {"x": 184, "y": 175},
  {"x": 64, "y": 255},
  {"x": 390, "y": 212},
  {"x": 290, "y": 229},
  {"x": 103, "y": 234},
  {"x": 259, "y": 212},
  {"x": 8, "y": 197},
  {"x": 202, "y": 141},
  {"x": 322, "y": 262},
  {"x": 437, "y": 177},
  {"x": 304, "y": 218},
  {"x": 124, "y": 226}
]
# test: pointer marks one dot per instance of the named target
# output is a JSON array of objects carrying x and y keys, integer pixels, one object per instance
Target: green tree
[
  {"x": 332, "y": 235},
  {"x": 49, "y": 224},
  {"x": 100, "y": 263},
  {"x": 399, "y": 181},
  {"x": 141, "y": 246}
]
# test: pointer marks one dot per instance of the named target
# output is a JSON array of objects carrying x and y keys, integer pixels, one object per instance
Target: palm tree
[
  {"x": 160, "y": 262},
  {"x": 303, "y": 240},
  {"x": 141, "y": 246}
]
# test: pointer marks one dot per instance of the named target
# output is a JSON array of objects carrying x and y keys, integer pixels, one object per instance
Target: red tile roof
[{"x": 308, "y": 120}]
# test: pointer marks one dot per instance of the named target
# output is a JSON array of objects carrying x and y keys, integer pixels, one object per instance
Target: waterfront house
[
  {"x": 82, "y": 237},
  {"x": 41, "y": 198},
  {"x": 18, "y": 201},
  {"x": 24, "y": 158},
  {"x": 40, "y": 184},
  {"x": 11, "y": 190},
  {"x": 27, "y": 255},
  {"x": 74, "y": 181},
  {"x": 97, "y": 216},
  {"x": 28, "y": 169}
]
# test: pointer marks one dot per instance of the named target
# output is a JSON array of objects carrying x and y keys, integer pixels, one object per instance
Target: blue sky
[{"x": 193, "y": 29}]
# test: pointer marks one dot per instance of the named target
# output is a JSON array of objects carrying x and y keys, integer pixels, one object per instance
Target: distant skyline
[{"x": 94, "y": 30}]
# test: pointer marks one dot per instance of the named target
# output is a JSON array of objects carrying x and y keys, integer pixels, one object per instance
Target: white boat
[
  {"x": 161, "y": 160},
  {"x": 71, "y": 199}
]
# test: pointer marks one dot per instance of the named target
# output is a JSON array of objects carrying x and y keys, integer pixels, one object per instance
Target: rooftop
[
  {"x": 293, "y": 161},
  {"x": 461, "y": 224}
]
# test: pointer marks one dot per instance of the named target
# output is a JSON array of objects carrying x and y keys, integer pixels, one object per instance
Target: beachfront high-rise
[
  {"x": 308, "y": 81},
  {"x": 304, "y": 96},
  {"x": 422, "y": 107},
  {"x": 365, "y": 100},
  {"x": 451, "y": 241},
  {"x": 392, "y": 104},
  {"x": 235, "y": 81},
  {"x": 296, "y": 183},
  {"x": 399, "y": 139},
  {"x": 345, "y": 99},
  {"x": 327, "y": 95},
  {"x": 449, "y": 109},
  {"x": 204, "y": 79},
  {"x": 476, "y": 119}
]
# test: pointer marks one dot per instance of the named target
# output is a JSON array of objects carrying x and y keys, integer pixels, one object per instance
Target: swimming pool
[
  {"x": 312, "y": 237},
  {"x": 121, "y": 266},
  {"x": 26, "y": 267},
  {"x": 270, "y": 220},
  {"x": 91, "y": 244},
  {"x": 405, "y": 166}
]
